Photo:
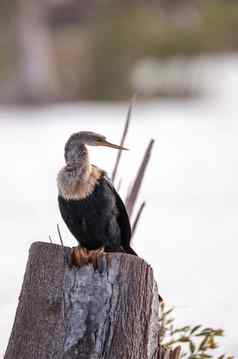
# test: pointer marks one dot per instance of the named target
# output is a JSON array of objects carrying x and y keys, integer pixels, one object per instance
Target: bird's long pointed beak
[{"x": 108, "y": 144}]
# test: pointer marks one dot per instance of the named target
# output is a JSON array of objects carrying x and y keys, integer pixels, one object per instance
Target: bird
[{"x": 89, "y": 204}]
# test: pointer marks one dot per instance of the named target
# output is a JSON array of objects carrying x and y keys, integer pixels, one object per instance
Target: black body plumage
[{"x": 98, "y": 220}]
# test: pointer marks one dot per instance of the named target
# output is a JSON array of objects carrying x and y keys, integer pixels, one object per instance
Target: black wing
[{"x": 122, "y": 219}]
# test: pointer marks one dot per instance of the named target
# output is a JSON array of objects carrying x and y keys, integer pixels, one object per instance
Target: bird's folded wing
[{"x": 123, "y": 219}]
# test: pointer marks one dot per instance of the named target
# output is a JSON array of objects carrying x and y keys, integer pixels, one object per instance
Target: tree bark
[{"x": 69, "y": 312}]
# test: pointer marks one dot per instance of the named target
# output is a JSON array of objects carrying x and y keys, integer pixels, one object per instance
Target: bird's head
[{"x": 75, "y": 146}]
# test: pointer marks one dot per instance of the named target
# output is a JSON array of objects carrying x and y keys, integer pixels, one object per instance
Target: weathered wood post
[{"x": 68, "y": 312}]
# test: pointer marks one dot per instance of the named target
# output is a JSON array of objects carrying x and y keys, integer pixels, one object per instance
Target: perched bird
[{"x": 89, "y": 204}]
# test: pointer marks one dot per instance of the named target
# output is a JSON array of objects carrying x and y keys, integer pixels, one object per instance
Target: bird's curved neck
[{"x": 77, "y": 160}]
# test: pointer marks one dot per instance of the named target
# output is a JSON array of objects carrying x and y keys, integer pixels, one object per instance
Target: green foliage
[
  {"x": 122, "y": 36},
  {"x": 197, "y": 342},
  {"x": 95, "y": 55}
]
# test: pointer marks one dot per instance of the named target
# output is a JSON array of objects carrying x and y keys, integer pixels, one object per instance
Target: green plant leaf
[
  {"x": 219, "y": 332},
  {"x": 183, "y": 329},
  {"x": 202, "y": 345},
  {"x": 192, "y": 347},
  {"x": 194, "y": 329},
  {"x": 168, "y": 311},
  {"x": 169, "y": 321},
  {"x": 183, "y": 339}
]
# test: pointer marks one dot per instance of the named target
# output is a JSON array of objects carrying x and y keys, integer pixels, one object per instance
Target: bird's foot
[
  {"x": 96, "y": 258},
  {"x": 81, "y": 256}
]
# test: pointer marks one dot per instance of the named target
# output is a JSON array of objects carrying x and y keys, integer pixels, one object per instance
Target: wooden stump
[{"x": 69, "y": 312}]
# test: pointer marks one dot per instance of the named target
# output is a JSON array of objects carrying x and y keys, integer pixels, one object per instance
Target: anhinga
[{"x": 89, "y": 204}]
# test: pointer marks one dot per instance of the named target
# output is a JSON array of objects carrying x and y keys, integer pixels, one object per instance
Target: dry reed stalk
[
  {"x": 136, "y": 221},
  {"x": 128, "y": 118},
  {"x": 131, "y": 199}
]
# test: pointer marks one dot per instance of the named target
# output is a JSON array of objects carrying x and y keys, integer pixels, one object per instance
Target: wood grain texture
[{"x": 78, "y": 313}]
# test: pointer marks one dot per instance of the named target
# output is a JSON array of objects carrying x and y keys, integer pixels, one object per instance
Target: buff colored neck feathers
[{"x": 78, "y": 178}]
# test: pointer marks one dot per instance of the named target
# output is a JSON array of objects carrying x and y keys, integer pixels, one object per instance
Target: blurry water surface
[{"x": 189, "y": 231}]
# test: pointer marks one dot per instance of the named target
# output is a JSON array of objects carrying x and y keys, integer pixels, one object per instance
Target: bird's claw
[{"x": 81, "y": 256}]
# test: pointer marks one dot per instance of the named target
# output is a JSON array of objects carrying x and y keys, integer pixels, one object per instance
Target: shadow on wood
[{"x": 69, "y": 312}]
